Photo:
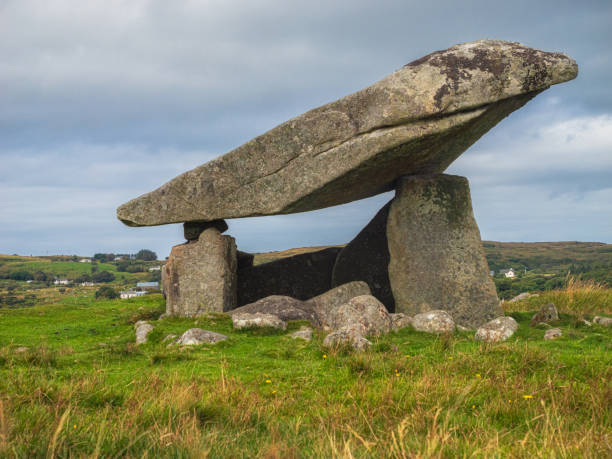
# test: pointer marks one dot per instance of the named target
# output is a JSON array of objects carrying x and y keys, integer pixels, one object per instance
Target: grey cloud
[{"x": 103, "y": 101}]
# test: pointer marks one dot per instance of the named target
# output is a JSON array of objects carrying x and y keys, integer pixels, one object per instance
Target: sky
[{"x": 102, "y": 101}]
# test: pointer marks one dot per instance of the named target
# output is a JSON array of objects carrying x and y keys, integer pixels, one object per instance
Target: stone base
[
  {"x": 200, "y": 276},
  {"x": 437, "y": 260},
  {"x": 422, "y": 251}
]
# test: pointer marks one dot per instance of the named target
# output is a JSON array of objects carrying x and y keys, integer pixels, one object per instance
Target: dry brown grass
[{"x": 579, "y": 297}]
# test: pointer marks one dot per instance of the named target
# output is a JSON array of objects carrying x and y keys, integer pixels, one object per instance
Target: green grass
[{"x": 84, "y": 389}]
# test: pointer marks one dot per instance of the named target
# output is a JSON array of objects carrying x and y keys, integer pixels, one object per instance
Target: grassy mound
[{"x": 82, "y": 388}]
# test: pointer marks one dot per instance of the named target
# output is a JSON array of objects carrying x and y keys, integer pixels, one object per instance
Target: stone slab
[{"x": 417, "y": 120}]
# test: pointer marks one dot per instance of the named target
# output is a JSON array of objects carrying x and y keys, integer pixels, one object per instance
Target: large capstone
[
  {"x": 436, "y": 255},
  {"x": 417, "y": 120},
  {"x": 200, "y": 276}
]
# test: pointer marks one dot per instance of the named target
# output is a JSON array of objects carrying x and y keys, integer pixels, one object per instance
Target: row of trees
[{"x": 143, "y": 255}]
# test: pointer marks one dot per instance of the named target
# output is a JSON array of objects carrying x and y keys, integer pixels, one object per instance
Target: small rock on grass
[
  {"x": 365, "y": 310},
  {"x": 143, "y": 328},
  {"x": 605, "y": 321},
  {"x": 350, "y": 335},
  {"x": 21, "y": 350},
  {"x": 497, "y": 330},
  {"x": 170, "y": 337},
  {"x": 258, "y": 320},
  {"x": 553, "y": 333},
  {"x": 436, "y": 321},
  {"x": 547, "y": 313},
  {"x": 195, "y": 336},
  {"x": 400, "y": 320},
  {"x": 304, "y": 333}
]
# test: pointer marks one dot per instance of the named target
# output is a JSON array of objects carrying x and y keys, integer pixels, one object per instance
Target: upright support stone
[
  {"x": 200, "y": 275},
  {"x": 366, "y": 258},
  {"x": 436, "y": 255}
]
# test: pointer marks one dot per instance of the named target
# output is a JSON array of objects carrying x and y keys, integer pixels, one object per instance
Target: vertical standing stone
[
  {"x": 200, "y": 275},
  {"x": 366, "y": 258},
  {"x": 436, "y": 256}
]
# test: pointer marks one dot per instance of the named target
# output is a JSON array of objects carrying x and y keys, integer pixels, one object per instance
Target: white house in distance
[
  {"x": 508, "y": 272},
  {"x": 61, "y": 282},
  {"x": 155, "y": 268},
  {"x": 85, "y": 260},
  {"x": 130, "y": 294}
]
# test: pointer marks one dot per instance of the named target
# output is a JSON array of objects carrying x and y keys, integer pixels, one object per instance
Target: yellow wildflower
[
  {"x": 478, "y": 375},
  {"x": 324, "y": 356},
  {"x": 268, "y": 381},
  {"x": 527, "y": 396}
]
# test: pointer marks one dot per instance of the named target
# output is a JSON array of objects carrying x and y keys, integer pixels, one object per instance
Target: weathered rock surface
[
  {"x": 170, "y": 337},
  {"x": 301, "y": 276},
  {"x": 195, "y": 336},
  {"x": 366, "y": 258},
  {"x": 304, "y": 333},
  {"x": 400, "y": 320},
  {"x": 417, "y": 120},
  {"x": 553, "y": 333},
  {"x": 436, "y": 255},
  {"x": 364, "y": 310},
  {"x": 547, "y": 313},
  {"x": 200, "y": 276},
  {"x": 435, "y": 321},
  {"x": 142, "y": 328},
  {"x": 605, "y": 321},
  {"x": 245, "y": 320},
  {"x": 192, "y": 230},
  {"x": 352, "y": 335},
  {"x": 283, "y": 307},
  {"x": 328, "y": 302},
  {"x": 497, "y": 330}
]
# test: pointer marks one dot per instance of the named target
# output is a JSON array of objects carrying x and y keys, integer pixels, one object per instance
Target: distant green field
[
  {"x": 84, "y": 389},
  {"x": 68, "y": 269}
]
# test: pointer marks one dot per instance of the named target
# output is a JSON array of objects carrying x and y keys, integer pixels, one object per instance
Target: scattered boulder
[
  {"x": 523, "y": 296},
  {"x": 143, "y": 328},
  {"x": 196, "y": 336},
  {"x": 300, "y": 276},
  {"x": 605, "y": 321},
  {"x": 553, "y": 333},
  {"x": 283, "y": 307},
  {"x": 352, "y": 335},
  {"x": 417, "y": 120},
  {"x": 437, "y": 260},
  {"x": 365, "y": 310},
  {"x": 21, "y": 350},
  {"x": 245, "y": 320},
  {"x": 304, "y": 333},
  {"x": 547, "y": 313},
  {"x": 437, "y": 321},
  {"x": 200, "y": 276},
  {"x": 331, "y": 300},
  {"x": 169, "y": 337},
  {"x": 400, "y": 320},
  {"x": 497, "y": 330}
]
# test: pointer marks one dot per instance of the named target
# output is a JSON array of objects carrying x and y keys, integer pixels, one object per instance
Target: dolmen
[{"x": 422, "y": 251}]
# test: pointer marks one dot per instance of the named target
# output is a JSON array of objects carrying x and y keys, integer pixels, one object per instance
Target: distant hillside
[{"x": 546, "y": 256}]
